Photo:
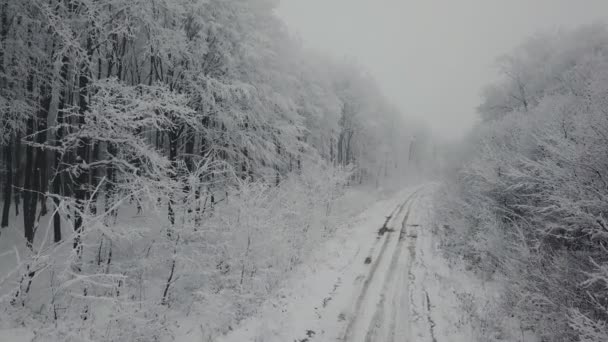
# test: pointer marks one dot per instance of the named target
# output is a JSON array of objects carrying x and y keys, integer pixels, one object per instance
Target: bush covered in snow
[
  {"x": 135, "y": 277},
  {"x": 529, "y": 207}
]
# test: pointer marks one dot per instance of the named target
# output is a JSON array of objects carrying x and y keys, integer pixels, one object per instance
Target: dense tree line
[
  {"x": 93, "y": 90},
  {"x": 529, "y": 207},
  {"x": 166, "y": 106}
]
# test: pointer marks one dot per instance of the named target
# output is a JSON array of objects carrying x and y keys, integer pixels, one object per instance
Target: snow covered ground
[{"x": 379, "y": 279}]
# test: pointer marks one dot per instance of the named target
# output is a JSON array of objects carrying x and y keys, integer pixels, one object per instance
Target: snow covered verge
[
  {"x": 139, "y": 278},
  {"x": 311, "y": 299},
  {"x": 526, "y": 204},
  {"x": 480, "y": 293},
  {"x": 363, "y": 286}
]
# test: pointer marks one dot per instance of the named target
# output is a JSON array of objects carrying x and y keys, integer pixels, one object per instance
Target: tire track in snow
[
  {"x": 391, "y": 287},
  {"x": 430, "y": 319},
  {"x": 379, "y": 314},
  {"x": 401, "y": 307},
  {"x": 370, "y": 277}
]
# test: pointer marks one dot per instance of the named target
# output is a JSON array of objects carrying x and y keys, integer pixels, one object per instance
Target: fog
[{"x": 432, "y": 57}]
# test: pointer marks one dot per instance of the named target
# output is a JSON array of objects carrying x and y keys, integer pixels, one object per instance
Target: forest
[
  {"x": 164, "y": 158},
  {"x": 192, "y": 170},
  {"x": 526, "y": 204}
]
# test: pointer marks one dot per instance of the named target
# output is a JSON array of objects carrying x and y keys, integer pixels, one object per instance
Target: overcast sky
[{"x": 432, "y": 57}]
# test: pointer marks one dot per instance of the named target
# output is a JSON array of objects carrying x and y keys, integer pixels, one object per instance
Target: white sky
[{"x": 432, "y": 57}]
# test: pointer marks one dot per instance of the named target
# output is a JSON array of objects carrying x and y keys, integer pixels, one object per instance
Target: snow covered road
[
  {"x": 381, "y": 302},
  {"x": 379, "y": 279}
]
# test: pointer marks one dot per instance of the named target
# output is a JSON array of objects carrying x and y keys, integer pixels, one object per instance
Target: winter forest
[{"x": 193, "y": 170}]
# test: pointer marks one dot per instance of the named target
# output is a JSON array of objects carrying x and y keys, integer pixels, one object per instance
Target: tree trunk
[
  {"x": 29, "y": 211},
  {"x": 81, "y": 186},
  {"x": 58, "y": 183},
  {"x": 18, "y": 175},
  {"x": 8, "y": 149},
  {"x": 94, "y": 177},
  {"x": 110, "y": 179},
  {"x": 41, "y": 161},
  {"x": 174, "y": 134},
  {"x": 190, "y": 151},
  {"x": 8, "y": 185}
]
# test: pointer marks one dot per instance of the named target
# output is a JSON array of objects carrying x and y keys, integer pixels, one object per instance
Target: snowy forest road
[
  {"x": 383, "y": 299},
  {"x": 378, "y": 280}
]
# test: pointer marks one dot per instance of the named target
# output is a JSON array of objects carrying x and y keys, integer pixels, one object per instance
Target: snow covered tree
[
  {"x": 534, "y": 191},
  {"x": 162, "y": 150}
]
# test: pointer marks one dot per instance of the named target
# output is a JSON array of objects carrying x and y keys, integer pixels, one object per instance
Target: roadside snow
[
  {"x": 381, "y": 277},
  {"x": 316, "y": 301},
  {"x": 405, "y": 291},
  {"x": 16, "y": 335}
]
